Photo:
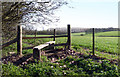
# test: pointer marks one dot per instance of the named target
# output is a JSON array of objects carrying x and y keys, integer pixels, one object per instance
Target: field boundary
[{"x": 19, "y": 38}]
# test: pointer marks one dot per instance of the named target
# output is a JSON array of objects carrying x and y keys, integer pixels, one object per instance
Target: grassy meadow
[
  {"x": 106, "y": 44},
  {"x": 105, "y": 47},
  {"x": 102, "y": 44}
]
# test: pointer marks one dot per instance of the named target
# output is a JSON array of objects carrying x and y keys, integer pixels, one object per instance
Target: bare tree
[{"x": 27, "y": 12}]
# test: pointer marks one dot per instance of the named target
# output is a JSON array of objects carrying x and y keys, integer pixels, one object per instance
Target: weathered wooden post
[
  {"x": 37, "y": 54},
  {"x": 69, "y": 36},
  {"x": 19, "y": 40},
  {"x": 35, "y": 36},
  {"x": 54, "y": 35},
  {"x": 93, "y": 42},
  {"x": 53, "y": 40}
]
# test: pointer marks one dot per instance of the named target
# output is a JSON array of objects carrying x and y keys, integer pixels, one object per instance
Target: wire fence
[{"x": 105, "y": 42}]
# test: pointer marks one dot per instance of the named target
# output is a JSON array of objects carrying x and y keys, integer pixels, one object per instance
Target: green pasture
[
  {"x": 106, "y": 44},
  {"x": 100, "y": 34},
  {"x": 80, "y": 66},
  {"x": 102, "y": 44},
  {"x": 109, "y": 33}
]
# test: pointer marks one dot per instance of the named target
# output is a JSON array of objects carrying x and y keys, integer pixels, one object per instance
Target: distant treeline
[
  {"x": 64, "y": 31},
  {"x": 101, "y": 30},
  {"x": 44, "y": 32},
  {"x": 51, "y": 31}
]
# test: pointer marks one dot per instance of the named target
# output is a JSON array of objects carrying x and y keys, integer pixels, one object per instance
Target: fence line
[
  {"x": 45, "y": 37},
  {"x": 19, "y": 39}
]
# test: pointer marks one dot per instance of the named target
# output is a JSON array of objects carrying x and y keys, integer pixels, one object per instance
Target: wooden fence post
[
  {"x": 54, "y": 35},
  {"x": 35, "y": 36},
  {"x": 69, "y": 36},
  {"x": 93, "y": 42},
  {"x": 54, "y": 39},
  {"x": 19, "y": 40}
]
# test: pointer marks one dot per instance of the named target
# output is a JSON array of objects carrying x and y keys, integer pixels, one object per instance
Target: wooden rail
[
  {"x": 31, "y": 47},
  {"x": 62, "y": 44},
  {"x": 44, "y": 37},
  {"x": 50, "y": 42},
  {"x": 9, "y": 43}
]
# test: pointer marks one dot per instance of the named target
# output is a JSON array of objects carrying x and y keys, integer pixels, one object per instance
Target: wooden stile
[{"x": 37, "y": 49}]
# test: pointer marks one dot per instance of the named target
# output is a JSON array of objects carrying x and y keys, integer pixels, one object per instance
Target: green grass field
[
  {"x": 106, "y": 44},
  {"x": 109, "y": 33},
  {"x": 102, "y": 44},
  {"x": 100, "y": 34},
  {"x": 105, "y": 47}
]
